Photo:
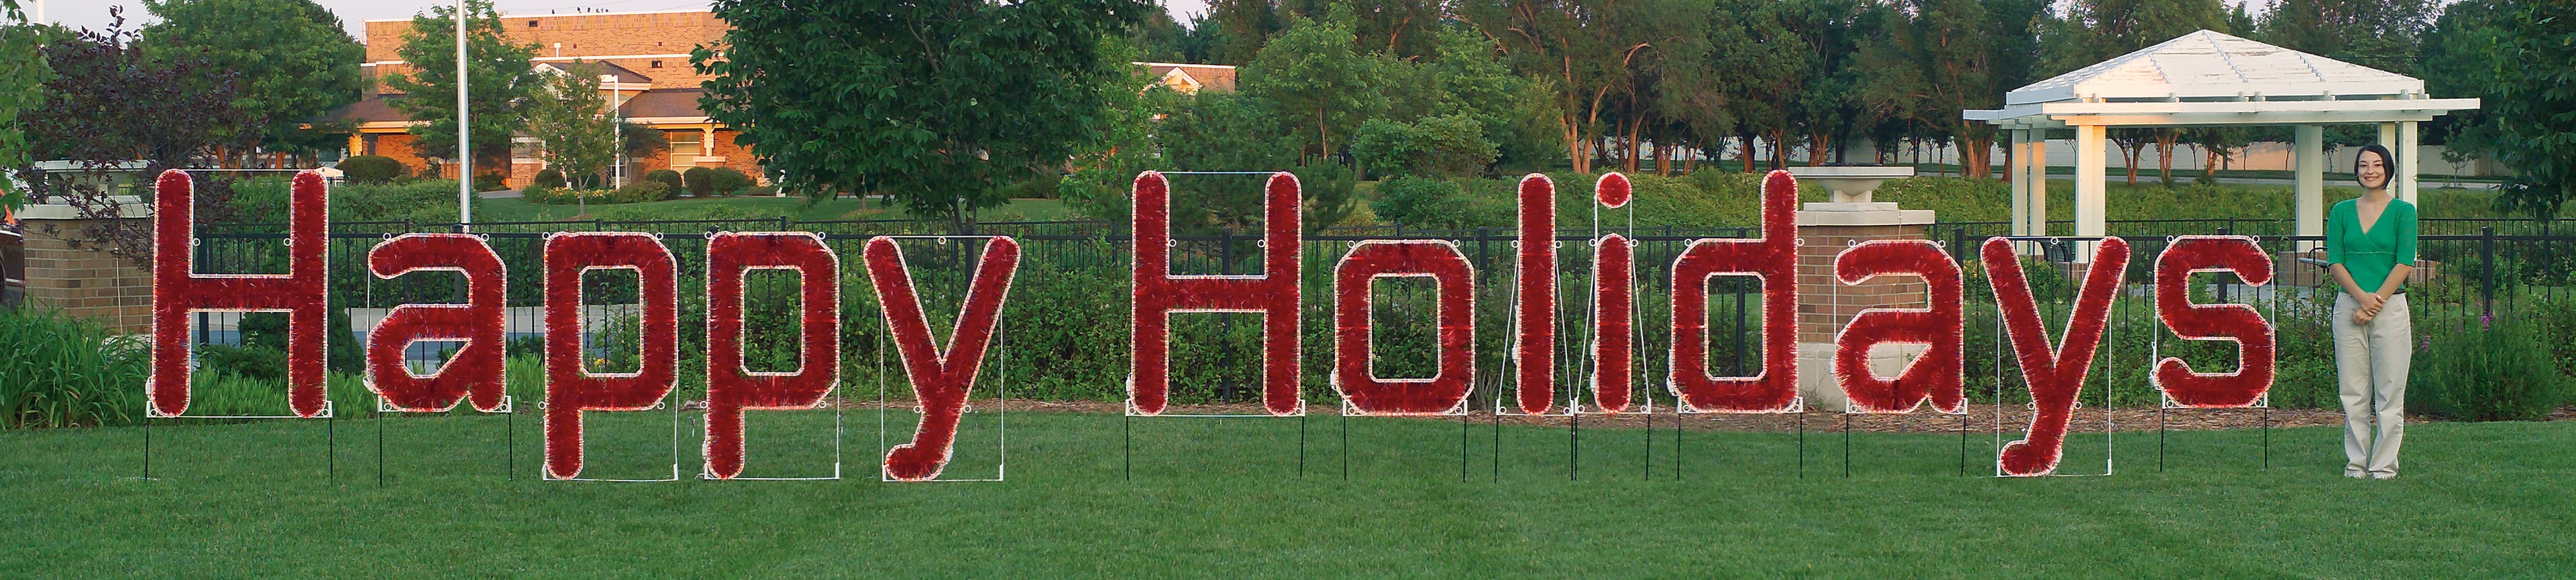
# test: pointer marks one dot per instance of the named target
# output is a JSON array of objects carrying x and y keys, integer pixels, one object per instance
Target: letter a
[
  {"x": 1935, "y": 375},
  {"x": 474, "y": 371}
]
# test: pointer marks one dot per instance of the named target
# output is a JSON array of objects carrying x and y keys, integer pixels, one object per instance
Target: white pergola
[{"x": 2206, "y": 79}]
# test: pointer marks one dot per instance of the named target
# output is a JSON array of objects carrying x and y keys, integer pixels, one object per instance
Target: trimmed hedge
[
  {"x": 372, "y": 169},
  {"x": 700, "y": 180}
]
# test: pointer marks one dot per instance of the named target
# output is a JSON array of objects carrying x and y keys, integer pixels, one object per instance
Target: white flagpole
[{"x": 464, "y": 133}]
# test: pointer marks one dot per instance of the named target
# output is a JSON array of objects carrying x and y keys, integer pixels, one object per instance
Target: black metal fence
[{"x": 1068, "y": 312}]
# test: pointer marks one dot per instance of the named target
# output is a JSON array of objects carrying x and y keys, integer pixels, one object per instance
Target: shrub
[
  {"x": 255, "y": 362},
  {"x": 548, "y": 178},
  {"x": 373, "y": 169},
  {"x": 1420, "y": 202},
  {"x": 490, "y": 181},
  {"x": 2488, "y": 372},
  {"x": 641, "y": 191},
  {"x": 430, "y": 201},
  {"x": 729, "y": 181},
  {"x": 668, "y": 178},
  {"x": 63, "y": 371},
  {"x": 700, "y": 180}
]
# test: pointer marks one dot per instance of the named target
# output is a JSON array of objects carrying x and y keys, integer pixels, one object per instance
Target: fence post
[
  {"x": 1484, "y": 258},
  {"x": 1959, "y": 244},
  {"x": 2486, "y": 257}
]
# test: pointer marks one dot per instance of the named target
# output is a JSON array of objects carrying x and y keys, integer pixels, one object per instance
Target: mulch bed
[{"x": 1979, "y": 419}]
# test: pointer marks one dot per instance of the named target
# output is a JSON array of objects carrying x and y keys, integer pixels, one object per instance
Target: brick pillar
[
  {"x": 86, "y": 283},
  {"x": 1825, "y": 304}
]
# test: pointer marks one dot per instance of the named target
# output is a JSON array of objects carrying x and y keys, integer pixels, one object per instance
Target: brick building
[{"x": 641, "y": 58}]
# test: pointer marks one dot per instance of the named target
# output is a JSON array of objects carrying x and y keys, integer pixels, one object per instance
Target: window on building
[
  {"x": 526, "y": 149},
  {"x": 657, "y": 64},
  {"x": 532, "y": 24},
  {"x": 685, "y": 147}
]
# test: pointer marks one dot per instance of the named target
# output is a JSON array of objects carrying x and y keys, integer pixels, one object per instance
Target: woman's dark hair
[{"x": 2388, "y": 163}]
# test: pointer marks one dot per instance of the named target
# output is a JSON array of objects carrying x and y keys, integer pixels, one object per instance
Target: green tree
[
  {"x": 500, "y": 81},
  {"x": 2533, "y": 104},
  {"x": 934, "y": 102},
  {"x": 23, "y": 74},
  {"x": 1237, "y": 29},
  {"x": 1589, "y": 49},
  {"x": 2380, "y": 34},
  {"x": 571, "y": 119},
  {"x": 1315, "y": 74},
  {"x": 292, "y": 58},
  {"x": 1447, "y": 146}
]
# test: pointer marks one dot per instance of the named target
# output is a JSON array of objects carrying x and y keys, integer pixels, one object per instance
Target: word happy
[{"x": 941, "y": 374}]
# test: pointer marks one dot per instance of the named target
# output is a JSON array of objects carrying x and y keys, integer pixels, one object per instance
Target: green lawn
[
  {"x": 1222, "y": 497},
  {"x": 517, "y": 210}
]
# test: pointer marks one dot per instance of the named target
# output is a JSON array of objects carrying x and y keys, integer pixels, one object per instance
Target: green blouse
[{"x": 2370, "y": 255}]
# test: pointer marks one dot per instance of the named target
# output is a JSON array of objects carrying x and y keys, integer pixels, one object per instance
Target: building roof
[
  {"x": 2208, "y": 78},
  {"x": 372, "y": 109},
  {"x": 1212, "y": 77},
  {"x": 665, "y": 103},
  {"x": 2212, "y": 65},
  {"x": 595, "y": 69}
]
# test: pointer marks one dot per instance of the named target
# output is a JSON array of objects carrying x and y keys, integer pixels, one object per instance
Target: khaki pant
[{"x": 2370, "y": 363}]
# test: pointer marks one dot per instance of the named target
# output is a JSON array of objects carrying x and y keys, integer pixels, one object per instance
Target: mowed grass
[{"x": 1225, "y": 498}]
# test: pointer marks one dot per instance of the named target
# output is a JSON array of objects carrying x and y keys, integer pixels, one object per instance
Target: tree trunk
[
  {"x": 2209, "y": 162},
  {"x": 1663, "y": 159},
  {"x": 1779, "y": 153},
  {"x": 2131, "y": 152},
  {"x": 1974, "y": 160},
  {"x": 1818, "y": 146},
  {"x": 2164, "y": 153},
  {"x": 1633, "y": 126},
  {"x": 1747, "y": 154}
]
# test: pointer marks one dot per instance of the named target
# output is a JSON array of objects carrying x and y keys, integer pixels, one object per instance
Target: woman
[{"x": 2370, "y": 249}]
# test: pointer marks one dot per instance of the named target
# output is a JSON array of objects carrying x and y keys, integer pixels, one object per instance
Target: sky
[{"x": 93, "y": 13}]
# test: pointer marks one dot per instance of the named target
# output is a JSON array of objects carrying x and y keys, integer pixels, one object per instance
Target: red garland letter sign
[
  {"x": 1354, "y": 373},
  {"x": 1774, "y": 259},
  {"x": 1159, "y": 293},
  {"x": 731, "y": 388},
  {"x": 2236, "y": 323},
  {"x": 2054, "y": 380},
  {"x": 1935, "y": 375},
  {"x": 473, "y": 371},
  {"x": 940, "y": 378},
  {"x": 1614, "y": 304},
  {"x": 177, "y": 289},
  {"x": 1534, "y": 310},
  {"x": 571, "y": 389}
]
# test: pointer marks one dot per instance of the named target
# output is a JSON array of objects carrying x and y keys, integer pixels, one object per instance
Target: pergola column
[
  {"x": 2311, "y": 188},
  {"x": 2019, "y": 161},
  {"x": 2407, "y": 135},
  {"x": 2038, "y": 167},
  {"x": 2090, "y": 215}
]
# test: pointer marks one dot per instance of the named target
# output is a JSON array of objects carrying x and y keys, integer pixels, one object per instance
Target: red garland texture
[
  {"x": 1773, "y": 258},
  {"x": 2054, "y": 380},
  {"x": 177, "y": 290},
  {"x": 940, "y": 378},
  {"x": 2236, "y": 323},
  {"x": 1354, "y": 374},
  {"x": 570, "y": 389},
  {"x": 1534, "y": 310},
  {"x": 1158, "y": 293},
  {"x": 1935, "y": 375},
  {"x": 1614, "y": 304},
  {"x": 731, "y": 389},
  {"x": 473, "y": 371}
]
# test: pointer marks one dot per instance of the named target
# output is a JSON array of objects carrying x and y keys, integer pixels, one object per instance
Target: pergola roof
[{"x": 2209, "y": 78}]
